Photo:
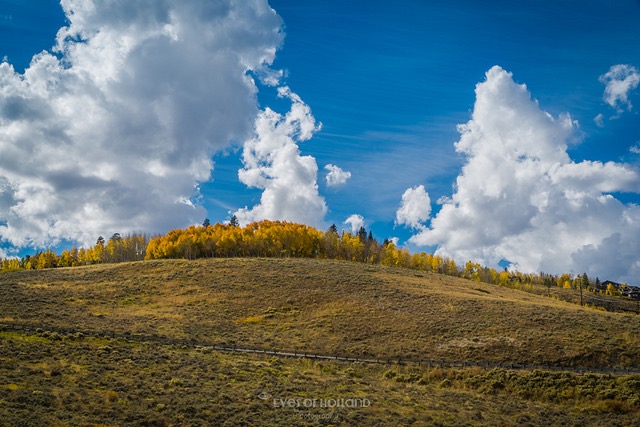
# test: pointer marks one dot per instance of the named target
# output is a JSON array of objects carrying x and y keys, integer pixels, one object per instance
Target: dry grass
[
  {"x": 323, "y": 306},
  {"x": 89, "y": 381},
  {"x": 314, "y": 305}
]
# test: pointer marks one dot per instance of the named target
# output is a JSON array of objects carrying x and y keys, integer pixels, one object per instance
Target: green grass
[{"x": 317, "y": 306}]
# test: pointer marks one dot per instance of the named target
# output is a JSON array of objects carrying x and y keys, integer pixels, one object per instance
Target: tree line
[
  {"x": 281, "y": 239},
  {"x": 118, "y": 248}
]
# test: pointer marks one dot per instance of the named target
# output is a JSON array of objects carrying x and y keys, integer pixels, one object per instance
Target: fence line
[{"x": 431, "y": 363}]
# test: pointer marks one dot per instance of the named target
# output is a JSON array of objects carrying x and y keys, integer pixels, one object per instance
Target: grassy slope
[
  {"x": 323, "y": 306},
  {"x": 316, "y": 305}
]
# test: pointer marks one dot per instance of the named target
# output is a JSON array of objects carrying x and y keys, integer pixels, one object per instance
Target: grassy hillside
[
  {"x": 323, "y": 306},
  {"x": 318, "y": 306}
]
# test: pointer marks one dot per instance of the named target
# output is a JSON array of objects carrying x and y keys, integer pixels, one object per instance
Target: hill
[{"x": 307, "y": 305}]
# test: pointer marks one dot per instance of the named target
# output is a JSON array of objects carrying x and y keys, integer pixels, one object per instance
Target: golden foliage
[{"x": 279, "y": 239}]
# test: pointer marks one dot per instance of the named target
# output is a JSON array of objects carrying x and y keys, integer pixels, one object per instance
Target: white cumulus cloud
[
  {"x": 519, "y": 196},
  {"x": 273, "y": 163},
  {"x": 619, "y": 81},
  {"x": 355, "y": 221},
  {"x": 116, "y": 131},
  {"x": 336, "y": 176},
  {"x": 415, "y": 208}
]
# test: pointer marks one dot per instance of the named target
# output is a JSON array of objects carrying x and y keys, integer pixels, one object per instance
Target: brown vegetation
[
  {"x": 323, "y": 306},
  {"x": 318, "y": 305}
]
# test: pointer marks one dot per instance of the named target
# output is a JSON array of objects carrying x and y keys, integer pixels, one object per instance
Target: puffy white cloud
[
  {"x": 519, "y": 197},
  {"x": 355, "y": 221},
  {"x": 336, "y": 176},
  {"x": 272, "y": 162},
  {"x": 415, "y": 208},
  {"x": 115, "y": 132},
  {"x": 594, "y": 177},
  {"x": 619, "y": 81},
  {"x": 635, "y": 149}
]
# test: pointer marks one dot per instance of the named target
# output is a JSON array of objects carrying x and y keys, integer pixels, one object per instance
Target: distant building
[
  {"x": 626, "y": 291},
  {"x": 603, "y": 286},
  {"x": 631, "y": 292}
]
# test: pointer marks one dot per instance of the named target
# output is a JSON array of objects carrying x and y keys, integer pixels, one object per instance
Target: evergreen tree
[
  {"x": 585, "y": 281},
  {"x": 362, "y": 234}
]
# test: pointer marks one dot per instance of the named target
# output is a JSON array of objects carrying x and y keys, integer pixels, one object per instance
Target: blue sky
[{"x": 389, "y": 82}]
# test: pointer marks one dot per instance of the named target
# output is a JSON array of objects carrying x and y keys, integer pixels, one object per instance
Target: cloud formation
[
  {"x": 619, "y": 81},
  {"x": 355, "y": 221},
  {"x": 115, "y": 131},
  {"x": 520, "y": 198},
  {"x": 599, "y": 120},
  {"x": 415, "y": 208},
  {"x": 336, "y": 176},
  {"x": 272, "y": 162}
]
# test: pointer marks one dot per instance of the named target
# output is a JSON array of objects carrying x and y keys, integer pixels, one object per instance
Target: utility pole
[{"x": 584, "y": 281}]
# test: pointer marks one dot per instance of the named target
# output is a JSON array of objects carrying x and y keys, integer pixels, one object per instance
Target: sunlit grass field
[{"x": 320, "y": 306}]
